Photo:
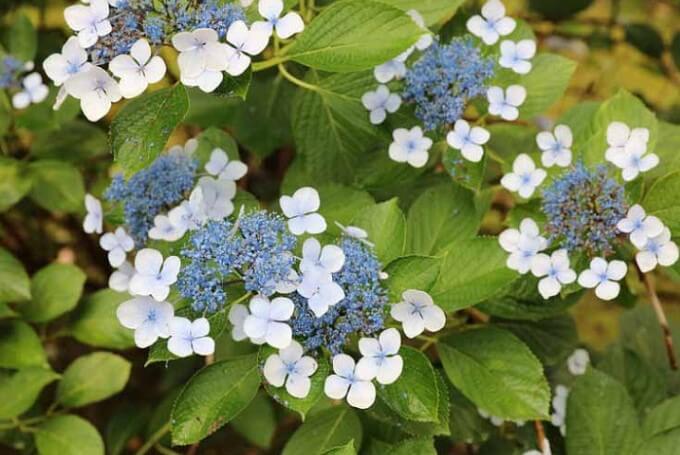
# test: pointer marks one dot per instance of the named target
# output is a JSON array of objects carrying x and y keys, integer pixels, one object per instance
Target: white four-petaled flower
[
  {"x": 320, "y": 291},
  {"x": 237, "y": 316},
  {"x": 90, "y": 21},
  {"x": 300, "y": 209},
  {"x": 505, "y": 104},
  {"x": 267, "y": 320},
  {"x": 578, "y": 361},
  {"x": 96, "y": 90},
  {"x": 217, "y": 197},
  {"x": 202, "y": 58},
  {"x": 71, "y": 61},
  {"x": 417, "y": 313},
  {"x": 468, "y": 140},
  {"x": 328, "y": 259},
  {"x": 659, "y": 250},
  {"x": 137, "y": 70},
  {"x": 525, "y": 177},
  {"x": 148, "y": 318},
  {"x": 392, "y": 69},
  {"x": 492, "y": 24},
  {"x": 379, "y": 103},
  {"x": 118, "y": 244},
  {"x": 223, "y": 168},
  {"x": 604, "y": 277},
  {"x": 153, "y": 276},
  {"x": 32, "y": 91},
  {"x": 246, "y": 43},
  {"x": 292, "y": 368},
  {"x": 554, "y": 270},
  {"x": 286, "y": 26},
  {"x": 628, "y": 150},
  {"x": 556, "y": 146},
  {"x": 619, "y": 135},
  {"x": 347, "y": 381},
  {"x": 187, "y": 337},
  {"x": 517, "y": 55},
  {"x": 523, "y": 245},
  {"x": 639, "y": 226},
  {"x": 119, "y": 280},
  {"x": 94, "y": 219},
  {"x": 410, "y": 146},
  {"x": 381, "y": 359}
]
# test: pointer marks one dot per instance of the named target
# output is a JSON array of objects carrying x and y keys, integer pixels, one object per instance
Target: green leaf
[
  {"x": 21, "y": 388},
  {"x": 411, "y": 272},
  {"x": 20, "y": 346},
  {"x": 414, "y": 396},
  {"x": 354, "y": 35},
  {"x": 662, "y": 444},
  {"x": 75, "y": 141},
  {"x": 23, "y": 39},
  {"x": 6, "y": 312},
  {"x": 461, "y": 285},
  {"x": 417, "y": 446},
  {"x": 441, "y": 215},
  {"x": 465, "y": 422},
  {"x": 300, "y": 405},
  {"x": 141, "y": 129},
  {"x": 213, "y": 397},
  {"x": 675, "y": 49},
  {"x": 95, "y": 322},
  {"x": 347, "y": 449},
  {"x": 659, "y": 200},
  {"x": 645, "y": 38},
  {"x": 235, "y": 86},
  {"x": 600, "y": 417},
  {"x": 386, "y": 227},
  {"x": 552, "y": 339},
  {"x": 546, "y": 83},
  {"x": 559, "y": 9},
  {"x": 433, "y": 11},
  {"x": 497, "y": 372},
  {"x": 325, "y": 430},
  {"x": 257, "y": 423},
  {"x": 68, "y": 435},
  {"x": 662, "y": 418},
  {"x": 126, "y": 422},
  {"x": 92, "y": 378},
  {"x": 55, "y": 289},
  {"x": 666, "y": 149},
  {"x": 15, "y": 182},
  {"x": 211, "y": 139},
  {"x": 14, "y": 282},
  {"x": 57, "y": 186},
  {"x": 331, "y": 127}
]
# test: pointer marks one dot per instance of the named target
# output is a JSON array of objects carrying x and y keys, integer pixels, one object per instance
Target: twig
[
  {"x": 153, "y": 439},
  {"x": 661, "y": 317},
  {"x": 540, "y": 436}
]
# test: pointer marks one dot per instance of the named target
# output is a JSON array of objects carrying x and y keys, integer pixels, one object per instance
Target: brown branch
[
  {"x": 540, "y": 436},
  {"x": 661, "y": 317}
]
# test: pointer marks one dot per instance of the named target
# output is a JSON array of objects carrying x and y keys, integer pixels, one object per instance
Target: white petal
[
  {"x": 343, "y": 365},
  {"x": 179, "y": 346},
  {"x": 270, "y": 9},
  {"x": 434, "y": 318},
  {"x": 617, "y": 134},
  {"x": 646, "y": 261},
  {"x": 515, "y": 95},
  {"x": 361, "y": 394},
  {"x": 588, "y": 279},
  {"x": 279, "y": 335},
  {"x": 336, "y": 387},
  {"x": 390, "y": 340},
  {"x": 668, "y": 254},
  {"x": 200, "y": 328},
  {"x": 298, "y": 385},
  {"x": 549, "y": 287},
  {"x": 616, "y": 270},
  {"x": 289, "y": 25},
  {"x": 390, "y": 370},
  {"x": 132, "y": 313},
  {"x": 608, "y": 290},
  {"x": 204, "y": 346}
]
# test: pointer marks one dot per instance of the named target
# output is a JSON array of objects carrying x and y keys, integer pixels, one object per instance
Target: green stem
[
  {"x": 265, "y": 64},
  {"x": 151, "y": 442},
  {"x": 245, "y": 296},
  {"x": 299, "y": 82}
]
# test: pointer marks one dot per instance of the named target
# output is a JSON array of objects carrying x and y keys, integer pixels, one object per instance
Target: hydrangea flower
[
  {"x": 523, "y": 245},
  {"x": 392, "y": 69},
  {"x": 417, "y": 313},
  {"x": 578, "y": 361},
  {"x": 555, "y": 272},
  {"x": 153, "y": 276},
  {"x": 220, "y": 166},
  {"x": 32, "y": 91},
  {"x": 96, "y": 91},
  {"x": 659, "y": 250},
  {"x": 556, "y": 146},
  {"x": 379, "y": 103},
  {"x": 149, "y": 319},
  {"x": 492, "y": 24},
  {"x": 320, "y": 291},
  {"x": 559, "y": 402},
  {"x": 639, "y": 226},
  {"x": 119, "y": 280},
  {"x": 286, "y": 26},
  {"x": 246, "y": 43},
  {"x": 292, "y": 368},
  {"x": 468, "y": 140},
  {"x": 300, "y": 209},
  {"x": 164, "y": 229},
  {"x": 90, "y": 21},
  {"x": 348, "y": 382},
  {"x": 426, "y": 39},
  {"x": 524, "y": 178},
  {"x": 619, "y": 135},
  {"x": 199, "y": 52},
  {"x": 517, "y": 55},
  {"x": 267, "y": 320},
  {"x": 604, "y": 277},
  {"x": 61, "y": 67},
  {"x": 94, "y": 219},
  {"x": 118, "y": 244},
  {"x": 237, "y": 316},
  {"x": 190, "y": 214},
  {"x": 505, "y": 104},
  {"x": 355, "y": 232},
  {"x": 315, "y": 259},
  {"x": 187, "y": 337},
  {"x": 216, "y": 197},
  {"x": 410, "y": 146},
  {"x": 381, "y": 359},
  {"x": 137, "y": 70},
  {"x": 628, "y": 150}
]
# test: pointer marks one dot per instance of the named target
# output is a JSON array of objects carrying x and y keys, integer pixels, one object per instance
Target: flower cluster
[{"x": 212, "y": 37}]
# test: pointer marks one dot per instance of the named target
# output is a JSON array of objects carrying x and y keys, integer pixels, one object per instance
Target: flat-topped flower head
[
  {"x": 639, "y": 226},
  {"x": 300, "y": 209},
  {"x": 379, "y": 103},
  {"x": 149, "y": 319},
  {"x": 444, "y": 79},
  {"x": 583, "y": 208},
  {"x": 90, "y": 21},
  {"x": 523, "y": 245},
  {"x": 492, "y": 24},
  {"x": 137, "y": 70},
  {"x": 96, "y": 90},
  {"x": 267, "y": 320},
  {"x": 290, "y": 368},
  {"x": 469, "y": 140},
  {"x": 118, "y": 244},
  {"x": 410, "y": 146},
  {"x": 223, "y": 168},
  {"x": 505, "y": 104},
  {"x": 517, "y": 55},
  {"x": 285, "y": 27},
  {"x": 578, "y": 361},
  {"x": 190, "y": 337},
  {"x": 659, "y": 250},
  {"x": 525, "y": 177},
  {"x": 32, "y": 91},
  {"x": 554, "y": 271},
  {"x": 154, "y": 276},
  {"x": 604, "y": 277},
  {"x": 556, "y": 146},
  {"x": 94, "y": 220},
  {"x": 348, "y": 382},
  {"x": 417, "y": 313},
  {"x": 381, "y": 359}
]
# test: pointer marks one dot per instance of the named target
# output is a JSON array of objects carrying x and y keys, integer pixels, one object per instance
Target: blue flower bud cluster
[
  {"x": 257, "y": 249},
  {"x": 135, "y": 19},
  {"x": 444, "y": 79},
  {"x": 151, "y": 191},
  {"x": 361, "y": 312},
  {"x": 583, "y": 207},
  {"x": 10, "y": 72}
]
